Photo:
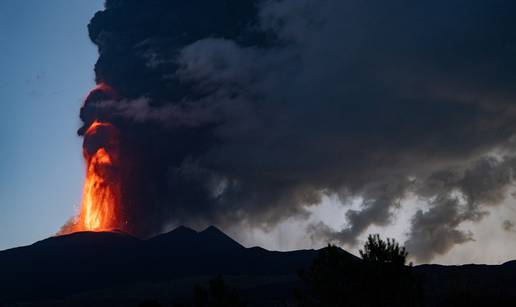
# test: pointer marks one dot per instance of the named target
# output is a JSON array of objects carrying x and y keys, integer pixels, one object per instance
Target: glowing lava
[{"x": 100, "y": 209}]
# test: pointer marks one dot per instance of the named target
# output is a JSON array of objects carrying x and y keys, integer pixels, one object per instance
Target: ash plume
[
  {"x": 508, "y": 225},
  {"x": 249, "y": 112}
]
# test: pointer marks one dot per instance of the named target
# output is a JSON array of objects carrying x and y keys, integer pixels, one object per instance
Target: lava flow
[{"x": 100, "y": 210}]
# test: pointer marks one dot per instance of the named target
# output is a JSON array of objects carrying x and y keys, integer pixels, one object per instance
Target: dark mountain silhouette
[
  {"x": 85, "y": 266},
  {"x": 87, "y": 261},
  {"x": 471, "y": 284}
]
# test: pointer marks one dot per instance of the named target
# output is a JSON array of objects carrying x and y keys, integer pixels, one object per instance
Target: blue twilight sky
[{"x": 47, "y": 68}]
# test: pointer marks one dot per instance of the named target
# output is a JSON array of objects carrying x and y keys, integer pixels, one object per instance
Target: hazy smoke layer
[{"x": 247, "y": 112}]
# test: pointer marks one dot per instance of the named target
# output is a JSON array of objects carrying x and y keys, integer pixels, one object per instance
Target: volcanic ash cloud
[{"x": 248, "y": 112}]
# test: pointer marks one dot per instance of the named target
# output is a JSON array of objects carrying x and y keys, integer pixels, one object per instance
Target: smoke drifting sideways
[{"x": 247, "y": 113}]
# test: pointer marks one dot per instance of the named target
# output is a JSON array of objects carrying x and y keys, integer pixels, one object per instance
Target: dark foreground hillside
[
  {"x": 114, "y": 269},
  {"x": 112, "y": 262}
]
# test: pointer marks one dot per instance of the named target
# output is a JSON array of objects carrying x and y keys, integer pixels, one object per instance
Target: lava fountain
[
  {"x": 100, "y": 208},
  {"x": 101, "y": 188}
]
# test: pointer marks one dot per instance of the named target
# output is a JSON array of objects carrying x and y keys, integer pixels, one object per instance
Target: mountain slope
[
  {"x": 87, "y": 261},
  {"x": 80, "y": 269}
]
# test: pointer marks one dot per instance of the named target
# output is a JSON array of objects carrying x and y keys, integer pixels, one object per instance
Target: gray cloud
[
  {"x": 435, "y": 231},
  {"x": 508, "y": 225},
  {"x": 254, "y": 114},
  {"x": 456, "y": 196}
]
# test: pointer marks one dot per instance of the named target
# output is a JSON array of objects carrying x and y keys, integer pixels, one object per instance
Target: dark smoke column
[
  {"x": 138, "y": 42},
  {"x": 246, "y": 113}
]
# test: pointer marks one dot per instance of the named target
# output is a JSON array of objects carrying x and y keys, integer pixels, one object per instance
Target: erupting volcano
[
  {"x": 100, "y": 208},
  {"x": 101, "y": 193}
]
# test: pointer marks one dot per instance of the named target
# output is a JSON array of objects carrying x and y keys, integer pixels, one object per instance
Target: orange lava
[
  {"x": 98, "y": 210},
  {"x": 102, "y": 87},
  {"x": 100, "y": 199},
  {"x": 92, "y": 129}
]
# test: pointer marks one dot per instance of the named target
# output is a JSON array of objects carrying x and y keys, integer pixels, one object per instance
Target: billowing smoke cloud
[
  {"x": 508, "y": 225},
  {"x": 248, "y": 112},
  {"x": 456, "y": 196}
]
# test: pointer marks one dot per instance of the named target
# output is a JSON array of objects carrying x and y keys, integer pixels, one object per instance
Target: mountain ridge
[{"x": 86, "y": 262}]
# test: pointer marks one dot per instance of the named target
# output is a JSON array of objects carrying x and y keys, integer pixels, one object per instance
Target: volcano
[
  {"x": 113, "y": 268},
  {"x": 90, "y": 261}
]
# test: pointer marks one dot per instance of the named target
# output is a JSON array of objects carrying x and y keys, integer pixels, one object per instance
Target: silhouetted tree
[
  {"x": 389, "y": 281},
  {"x": 380, "y": 279},
  {"x": 378, "y": 251}
]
